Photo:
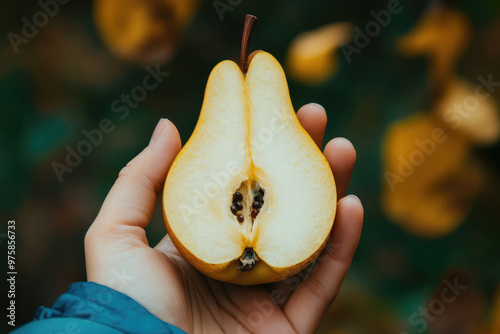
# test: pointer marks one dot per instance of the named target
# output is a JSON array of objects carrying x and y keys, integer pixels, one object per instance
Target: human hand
[{"x": 171, "y": 289}]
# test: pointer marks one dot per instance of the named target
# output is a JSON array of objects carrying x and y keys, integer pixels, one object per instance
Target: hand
[{"x": 118, "y": 254}]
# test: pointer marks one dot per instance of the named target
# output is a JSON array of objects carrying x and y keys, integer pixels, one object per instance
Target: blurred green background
[{"x": 65, "y": 79}]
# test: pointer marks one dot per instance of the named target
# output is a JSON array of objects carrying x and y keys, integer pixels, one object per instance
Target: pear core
[{"x": 248, "y": 140}]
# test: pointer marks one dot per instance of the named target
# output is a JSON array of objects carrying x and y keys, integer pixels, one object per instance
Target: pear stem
[{"x": 250, "y": 21}]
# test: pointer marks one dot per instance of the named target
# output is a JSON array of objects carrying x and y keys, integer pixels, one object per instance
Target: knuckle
[
  {"x": 139, "y": 176},
  {"x": 127, "y": 170},
  {"x": 317, "y": 289}
]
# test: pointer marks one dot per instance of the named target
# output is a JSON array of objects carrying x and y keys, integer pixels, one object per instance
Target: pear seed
[
  {"x": 254, "y": 213},
  {"x": 256, "y": 205},
  {"x": 233, "y": 209},
  {"x": 241, "y": 218},
  {"x": 239, "y": 206},
  {"x": 238, "y": 196}
]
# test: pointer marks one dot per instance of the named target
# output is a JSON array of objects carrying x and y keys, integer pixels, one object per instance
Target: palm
[
  {"x": 210, "y": 306},
  {"x": 118, "y": 254}
]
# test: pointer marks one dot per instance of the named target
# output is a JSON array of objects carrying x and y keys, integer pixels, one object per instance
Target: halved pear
[{"x": 249, "y": 151}]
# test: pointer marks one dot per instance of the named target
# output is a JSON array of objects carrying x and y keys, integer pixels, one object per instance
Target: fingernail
[
  {"x": 319, "y": 105},
  {"x": 355, "y": 196},
  {"x": 158, "y": 130}
]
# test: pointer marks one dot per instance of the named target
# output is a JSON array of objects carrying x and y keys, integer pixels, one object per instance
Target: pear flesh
[{"x": 249, "y": 140}]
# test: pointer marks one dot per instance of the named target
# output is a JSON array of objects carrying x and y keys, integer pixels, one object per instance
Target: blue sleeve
[{"x": 88, "y": 307}]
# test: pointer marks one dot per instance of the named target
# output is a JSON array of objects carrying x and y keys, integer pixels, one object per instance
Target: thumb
[{"x": 130, "y": 204}]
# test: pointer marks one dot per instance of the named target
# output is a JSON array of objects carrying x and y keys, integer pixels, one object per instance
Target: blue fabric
[
  {"x": 88, "y": 307},
  {"x": 65, "y": 326}
]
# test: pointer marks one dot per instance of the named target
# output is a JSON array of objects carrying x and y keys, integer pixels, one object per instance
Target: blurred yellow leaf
[
  {"x": 312, "y": 58},
  {"x": 470, "y": 110},
  {"x": 441, "y": 35},
  {"x": 429, "y": 185},
  {"x": 495, "y": 315},
  {"x": 143, "y": 31}
]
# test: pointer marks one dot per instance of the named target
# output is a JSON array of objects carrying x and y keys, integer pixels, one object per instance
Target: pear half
[{"x": 249, "y": 150}]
